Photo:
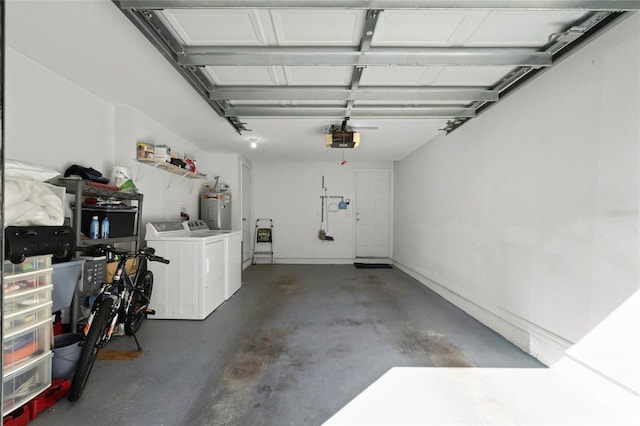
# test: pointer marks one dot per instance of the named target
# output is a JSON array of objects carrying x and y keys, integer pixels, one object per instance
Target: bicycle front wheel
[
  {"x": 90, "y": 349},
  {"x": 139, "y": 303}
]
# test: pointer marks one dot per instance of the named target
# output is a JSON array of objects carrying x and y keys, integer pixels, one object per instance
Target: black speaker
[{"x": 23, "y": 241}]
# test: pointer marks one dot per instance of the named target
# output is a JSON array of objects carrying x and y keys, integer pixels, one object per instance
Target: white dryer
[{"x": 196, "y": 281}]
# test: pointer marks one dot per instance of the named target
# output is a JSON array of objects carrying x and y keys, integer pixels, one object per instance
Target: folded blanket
[{"x": 28, "y": 202}]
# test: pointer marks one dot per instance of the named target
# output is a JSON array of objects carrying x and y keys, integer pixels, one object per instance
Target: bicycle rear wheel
[
  {"x": 90, "y": 349},
  {"x": 139, "y": 304}
]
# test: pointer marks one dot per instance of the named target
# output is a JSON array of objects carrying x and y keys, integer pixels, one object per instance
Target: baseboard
[
  {"x": 313, "y": 261},
  {"x": 323, "y": 261},
  {"x": 531, "y": 338}
]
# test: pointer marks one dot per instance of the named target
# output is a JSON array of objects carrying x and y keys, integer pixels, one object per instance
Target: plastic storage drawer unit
[
  {"x": 21, "y": 385},
  {"x": 30, "y": 264},
  {"x": 26, "y": 341},
  {"x": 22, "y": 319},
  {"x": 23, "y": 283},
  {"x": 19, "y": 347},
  {"x": 24, "y": 300}
]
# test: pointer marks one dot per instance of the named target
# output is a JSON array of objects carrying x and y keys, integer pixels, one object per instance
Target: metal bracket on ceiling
[
  {"x": 238, "y": 125},
  {"x": 569, "y": 36},
  {"x": 154, "y": 29},
  {"x": 160, "y": 28},
  {"x": 451, "y": 125},
  {"x": 559, "y": 43}
]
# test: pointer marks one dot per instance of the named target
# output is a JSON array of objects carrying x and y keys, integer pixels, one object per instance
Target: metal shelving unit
[{"x": 81, "y": 189}]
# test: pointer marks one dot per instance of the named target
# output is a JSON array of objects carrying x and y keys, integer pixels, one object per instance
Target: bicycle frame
[
  {"x": 123, "y": 301},
  {"x": 121, "y": 290}
]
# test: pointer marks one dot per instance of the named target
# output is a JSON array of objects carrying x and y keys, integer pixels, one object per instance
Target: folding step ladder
[{"x": 263, "y": 244}]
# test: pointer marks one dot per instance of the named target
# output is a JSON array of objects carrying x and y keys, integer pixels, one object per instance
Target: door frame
[
  {"x": 245, "y": 213},
  {"x": 354, "y": 201}
]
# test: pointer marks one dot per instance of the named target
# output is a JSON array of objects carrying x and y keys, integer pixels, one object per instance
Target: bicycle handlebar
[
  {"x": 146, "y": 252},
  {"x": 153, "y": 258}
]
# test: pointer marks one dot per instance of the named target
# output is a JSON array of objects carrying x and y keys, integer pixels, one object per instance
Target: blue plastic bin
[{"x": 65, "y": 279}]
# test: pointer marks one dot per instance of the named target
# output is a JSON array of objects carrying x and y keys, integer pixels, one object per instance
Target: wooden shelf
[{"x": 172, "y": 169}]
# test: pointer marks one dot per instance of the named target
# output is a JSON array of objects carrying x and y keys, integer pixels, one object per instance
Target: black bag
[
  {"x": 86, "y": 173},
  {"x": 23, "y": 241}
]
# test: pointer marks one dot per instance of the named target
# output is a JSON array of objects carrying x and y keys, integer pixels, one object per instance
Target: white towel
[{"x": 28, "y": 202}]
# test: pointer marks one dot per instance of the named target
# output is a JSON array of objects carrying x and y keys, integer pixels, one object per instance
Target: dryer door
[{"x": 214, "y": 274}]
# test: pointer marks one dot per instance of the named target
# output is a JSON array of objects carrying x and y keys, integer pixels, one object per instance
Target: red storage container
[
  {"x": 59, "y": 389},
  {"x": 19, "y": 417}
]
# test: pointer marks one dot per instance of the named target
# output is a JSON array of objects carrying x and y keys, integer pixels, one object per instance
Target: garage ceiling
[
  {"x": 347, "y": 60},
  {"x": 284, "y": 71}
]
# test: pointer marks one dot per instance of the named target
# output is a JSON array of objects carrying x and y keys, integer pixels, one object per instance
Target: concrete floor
[{"x": 291, "y": 347}]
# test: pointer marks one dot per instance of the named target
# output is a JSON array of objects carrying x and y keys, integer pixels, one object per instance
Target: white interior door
[
  {"x": 246, "y": 213},
  {"x": 372, "y": 213}
]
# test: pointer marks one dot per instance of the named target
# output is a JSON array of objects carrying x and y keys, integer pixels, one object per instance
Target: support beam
[
  {"x": 315, "y": 93},
  {"x": 613, "y": 5},
  {"x": 336, "y": 112},
  {"x": 365, "y": 45},
  {"x": 336, "y": 56}
]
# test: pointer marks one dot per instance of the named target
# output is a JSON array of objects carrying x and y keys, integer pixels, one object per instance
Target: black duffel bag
[{"x": 23, "y": 241}]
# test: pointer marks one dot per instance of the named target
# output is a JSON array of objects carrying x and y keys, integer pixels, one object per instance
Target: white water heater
[{"x": 215, "y": 210}]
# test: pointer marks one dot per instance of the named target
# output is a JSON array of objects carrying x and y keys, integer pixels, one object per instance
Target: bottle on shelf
[
  {"x": 94, "y": 230},
  {"x": 104, "y": 229}
]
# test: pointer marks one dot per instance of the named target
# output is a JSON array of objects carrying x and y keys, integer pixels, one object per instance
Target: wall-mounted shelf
[{"x": 172, "y": 169}]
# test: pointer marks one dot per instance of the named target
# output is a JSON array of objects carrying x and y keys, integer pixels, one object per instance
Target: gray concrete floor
[{"x": 291, "y": 347}]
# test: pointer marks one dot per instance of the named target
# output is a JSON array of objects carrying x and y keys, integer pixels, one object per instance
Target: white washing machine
[{"x": 201, "y": 274}]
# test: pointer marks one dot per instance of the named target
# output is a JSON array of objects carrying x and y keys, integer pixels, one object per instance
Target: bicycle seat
[{"x": 147, "y": 251}]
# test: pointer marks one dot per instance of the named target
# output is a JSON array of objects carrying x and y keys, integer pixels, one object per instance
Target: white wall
[
  {"x": 51, "y": 121},
  {"x": 55, "y": 123},
  {"x": 289, "y": 193},
  {"x": 165, "y": 194},
  {"x": 527, "y": 216}
]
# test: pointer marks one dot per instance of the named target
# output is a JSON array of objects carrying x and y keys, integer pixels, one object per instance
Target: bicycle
[{"x": 123, "y": 301}]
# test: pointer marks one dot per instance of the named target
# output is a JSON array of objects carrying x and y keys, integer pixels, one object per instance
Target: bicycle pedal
[{"x": 150, "y": 311}]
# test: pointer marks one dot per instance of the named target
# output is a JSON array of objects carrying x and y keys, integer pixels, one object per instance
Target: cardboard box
[
  {"x": 162, "y": 153},
  {"x": 111, "y": 269},
  {"x": 145, "y": 151}
]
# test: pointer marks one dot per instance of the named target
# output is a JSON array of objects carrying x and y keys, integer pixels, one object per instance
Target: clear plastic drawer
[
  {"x": 24, "y": 282},
  {"x": 27, "y": 382},
  {"x": 25, "y": 318},
  {"x": 25, "y": 299},
  {"x": 20, "y": 347},
  {"x": 30, "y": 264}
]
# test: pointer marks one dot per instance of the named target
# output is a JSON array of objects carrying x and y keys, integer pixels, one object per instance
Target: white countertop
[{"x": 473, "y": 396}]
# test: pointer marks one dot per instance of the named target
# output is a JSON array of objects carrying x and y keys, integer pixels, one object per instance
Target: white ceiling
[{"x": 93, "y": 44}]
